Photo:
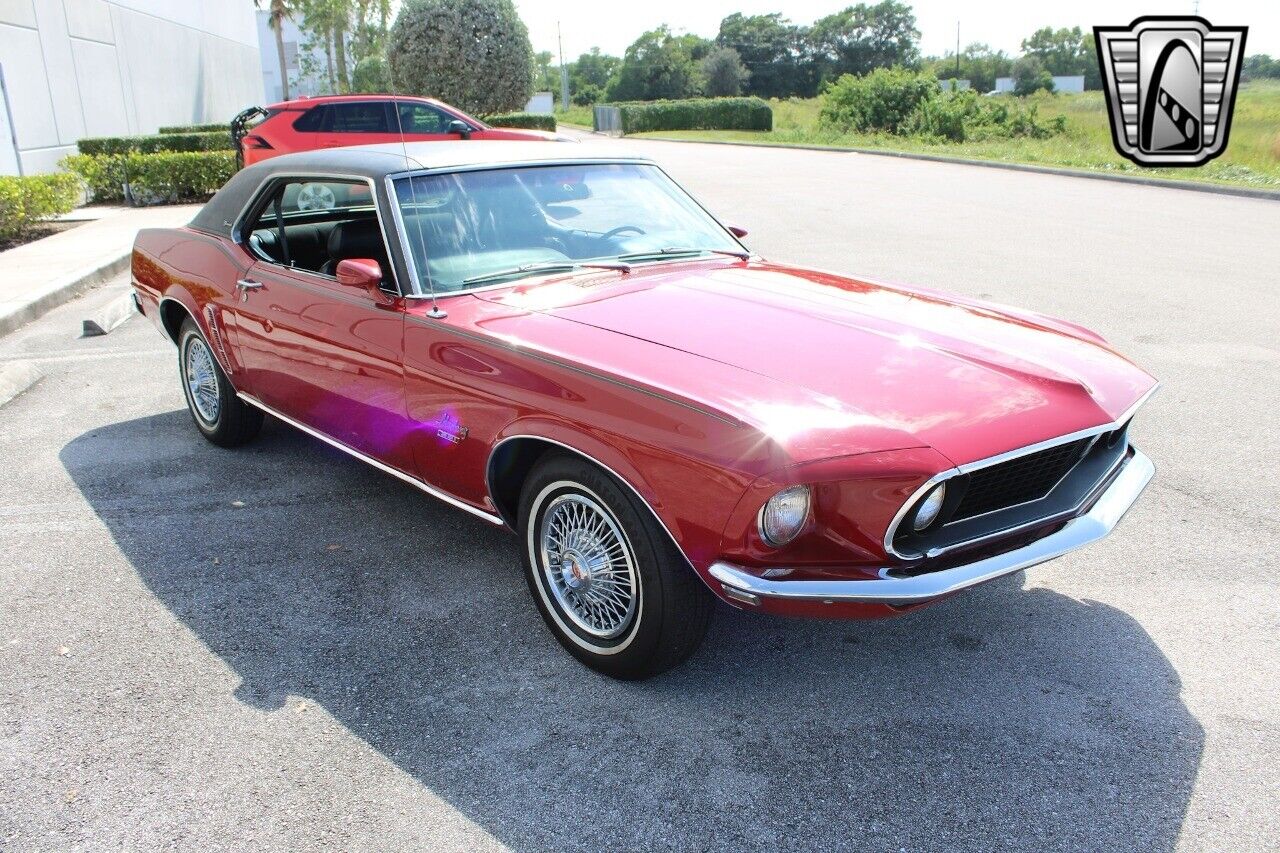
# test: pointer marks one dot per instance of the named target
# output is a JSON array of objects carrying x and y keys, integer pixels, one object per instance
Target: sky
[{"x": 611, "y": 25}]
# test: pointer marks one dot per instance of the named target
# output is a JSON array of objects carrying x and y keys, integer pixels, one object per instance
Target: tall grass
[{"x": 1252, "y": 157}]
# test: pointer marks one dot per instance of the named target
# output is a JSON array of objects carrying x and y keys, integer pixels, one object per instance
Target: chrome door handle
[{"x": 247, "y": 284}]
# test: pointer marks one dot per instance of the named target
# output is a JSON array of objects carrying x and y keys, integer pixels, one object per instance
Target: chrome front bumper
[{"x": 745, "y": 588}]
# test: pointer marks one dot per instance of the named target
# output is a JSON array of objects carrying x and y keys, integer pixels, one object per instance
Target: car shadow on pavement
[{"x": 1004, "y": 718}]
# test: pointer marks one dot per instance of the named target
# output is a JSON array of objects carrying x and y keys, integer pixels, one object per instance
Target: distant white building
[
  {"x": 541, "y": 102},
  {"x": 951, "y": 84},
  {"x": 77, "y": 68},
  {"x": 307, "y": 64},
  {"x": 1074, "y": 83}
]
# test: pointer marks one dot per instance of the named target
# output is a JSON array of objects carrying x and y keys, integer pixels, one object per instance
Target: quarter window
[{"x": 313, "y": 224}]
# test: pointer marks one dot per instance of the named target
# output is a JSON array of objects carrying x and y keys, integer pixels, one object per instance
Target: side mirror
[
  {"x": 460, "y": 127},
  {"x": 737, "y": 230},
  {"x": 364, "y": 273}
]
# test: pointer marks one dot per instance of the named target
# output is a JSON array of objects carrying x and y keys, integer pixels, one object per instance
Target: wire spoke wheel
[
  {"x": 588, "y": 566},
  {"x": 202, "y": 381}
]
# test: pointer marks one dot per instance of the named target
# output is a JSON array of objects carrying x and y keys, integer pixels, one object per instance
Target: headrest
[{"x": 356, "y": 238}]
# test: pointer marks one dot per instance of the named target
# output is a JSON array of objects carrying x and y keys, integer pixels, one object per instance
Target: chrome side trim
[
  {"x": 1087, "y": 528},
  {"x": 892, "y": 530},
  {"x": 488, "y": 467},
  {"x": 386, "y": 469}
]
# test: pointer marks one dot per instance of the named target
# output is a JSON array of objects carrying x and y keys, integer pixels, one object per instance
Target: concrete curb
[
  {"x": 63, "y": 290},
  {"x": 109, "y": 316},
  {"x": 16, "y": 377},
  {"x": 1137, "y": 180}
]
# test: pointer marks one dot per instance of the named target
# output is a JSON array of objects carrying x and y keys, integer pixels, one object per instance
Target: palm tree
[{"x": 279, "y": 10}]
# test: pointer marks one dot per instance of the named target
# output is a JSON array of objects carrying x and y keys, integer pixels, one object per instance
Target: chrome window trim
[
  {"x": 978, "y": 465},
  {"x": 274, "y": 178},
  {"x": 381, "y": 466},
  {"x": 403, "y": 235}
]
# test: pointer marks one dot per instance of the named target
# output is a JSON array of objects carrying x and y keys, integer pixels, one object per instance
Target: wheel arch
[{"x": 514, "y": 455}]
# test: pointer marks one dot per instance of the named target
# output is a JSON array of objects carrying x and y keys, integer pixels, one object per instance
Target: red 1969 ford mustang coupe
[{"x": 564, "y": 342}]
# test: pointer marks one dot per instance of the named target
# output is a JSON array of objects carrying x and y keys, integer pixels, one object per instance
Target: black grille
[{"x": 1018, "y": 481}]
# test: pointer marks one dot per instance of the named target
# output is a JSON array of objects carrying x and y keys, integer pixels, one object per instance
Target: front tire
[
  {"x": 221, "y": 416},
  {"x": 607, "y": 579}
]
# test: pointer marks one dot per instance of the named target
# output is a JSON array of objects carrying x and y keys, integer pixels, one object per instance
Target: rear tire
[
  {"x": 606, "y": 577},
  {"x": 221, "y": 416}
]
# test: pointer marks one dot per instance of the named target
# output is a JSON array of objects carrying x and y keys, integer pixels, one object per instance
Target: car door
[{"x": 326, "y": 355}]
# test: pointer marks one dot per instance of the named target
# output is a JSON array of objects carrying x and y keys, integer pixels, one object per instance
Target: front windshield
[{"x": 473, "y": 229}]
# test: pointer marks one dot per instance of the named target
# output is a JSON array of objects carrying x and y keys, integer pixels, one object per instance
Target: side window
[
  {"x": 312, "y": 121},
  {"x": 359, "y": 118},
  {"x": 420, "y": 118},
  {"x": 313, "y": 224}
]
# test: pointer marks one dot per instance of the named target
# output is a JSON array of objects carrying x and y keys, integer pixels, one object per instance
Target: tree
[
  {"x": 1260, "y": 66},
  {"x": 1030, "y": 75},
  {"x": 724, "y": 73},
  {"x": 472, "y": 53},
  {"x": 1062, "y": 52},
  {"x": 279, "y": 11},
  {"x": 772, "y": 49},
  {"x": 979, "y": 64},
  {"x": 593, "y": 69},
  {"x": 659, "y": 65},
  {"x": 861, "y": 38}
]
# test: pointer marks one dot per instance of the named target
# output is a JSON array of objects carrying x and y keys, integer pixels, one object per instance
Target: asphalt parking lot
[{"x": 278, "y": 648}]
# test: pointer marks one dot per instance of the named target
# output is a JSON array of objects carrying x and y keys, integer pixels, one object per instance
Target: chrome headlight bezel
[
  {"x": 784, "y": 515},
  {"x": 928, "y": 509}
]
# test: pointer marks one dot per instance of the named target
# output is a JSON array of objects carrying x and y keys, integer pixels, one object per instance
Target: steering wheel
[{"x": 614, "y": 232}]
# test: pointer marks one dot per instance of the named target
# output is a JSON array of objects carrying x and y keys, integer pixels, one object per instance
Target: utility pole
[
  {"x": 957, "y": 54},
  {"x": 564, "y": 73}
]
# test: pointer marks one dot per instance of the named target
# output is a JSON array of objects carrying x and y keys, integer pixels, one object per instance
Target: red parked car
[
  {"x": 334, "y": 121},
  {"x": 563, "y": 342}
]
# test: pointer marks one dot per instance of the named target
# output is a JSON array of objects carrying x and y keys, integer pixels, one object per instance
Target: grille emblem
[{"x": 1171, "y": 85}]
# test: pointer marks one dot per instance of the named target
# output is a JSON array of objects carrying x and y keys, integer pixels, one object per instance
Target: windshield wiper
[
  {"x": 740, "y": 254},
  {"x": 548, "y": 266}
]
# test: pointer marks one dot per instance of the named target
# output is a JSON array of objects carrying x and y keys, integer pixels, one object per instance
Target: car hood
[{"x": 968, "y": 379}]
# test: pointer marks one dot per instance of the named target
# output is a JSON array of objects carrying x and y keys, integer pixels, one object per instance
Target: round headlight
[
  {"x": 927, "y": 512},
  {"x": 784, "y": 514}
]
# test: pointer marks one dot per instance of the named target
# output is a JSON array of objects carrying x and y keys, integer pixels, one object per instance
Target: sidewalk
[{"x": 42, "y": 275}]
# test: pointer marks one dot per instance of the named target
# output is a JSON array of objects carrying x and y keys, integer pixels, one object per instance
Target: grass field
[{"x": 1252, "y": 157}]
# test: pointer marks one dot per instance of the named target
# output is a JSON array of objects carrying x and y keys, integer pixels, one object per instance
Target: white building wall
[
  {"x": 77, "y": 68},
  {"x": 297, "y": 55}
]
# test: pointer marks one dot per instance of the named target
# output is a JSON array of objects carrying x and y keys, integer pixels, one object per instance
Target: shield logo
[{"x": 1171, "y": 85}]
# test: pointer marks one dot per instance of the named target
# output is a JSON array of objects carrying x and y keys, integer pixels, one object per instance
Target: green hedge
[
  {"x": 209, "y": 141},
  {"x": 27, "y": 200},
  {"x": 526, "y": 121},
  {"x": 161, "y": 178},
  {"x": 196, "y": 128},
  {"x": 695, "y": 114}
]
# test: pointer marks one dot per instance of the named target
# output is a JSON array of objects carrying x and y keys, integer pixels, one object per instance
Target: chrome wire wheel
[
  {"x": 202, "y": 380},
  {"x": 587, "y": 565}
]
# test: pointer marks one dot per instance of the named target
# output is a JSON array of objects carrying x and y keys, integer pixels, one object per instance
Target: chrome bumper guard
[{"x": 740, "y": 586}]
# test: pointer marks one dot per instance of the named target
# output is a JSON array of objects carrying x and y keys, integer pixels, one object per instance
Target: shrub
[
  {"x": 587, "y": 94},
  {"x": 880, "y": 101},
  {"x": 964, "y": 116},
  {"x": 530, "y": 121},
  {"x": 27, "y": 200},
  {"x": 164, "y": 177},
  {"x": 195, "y": 128},
  {"x": 219, "y": 140},
  {"x": 696, "y": 114},
  {"x": 371, "y": 75},
  {"x": 472, "y": 53}
]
